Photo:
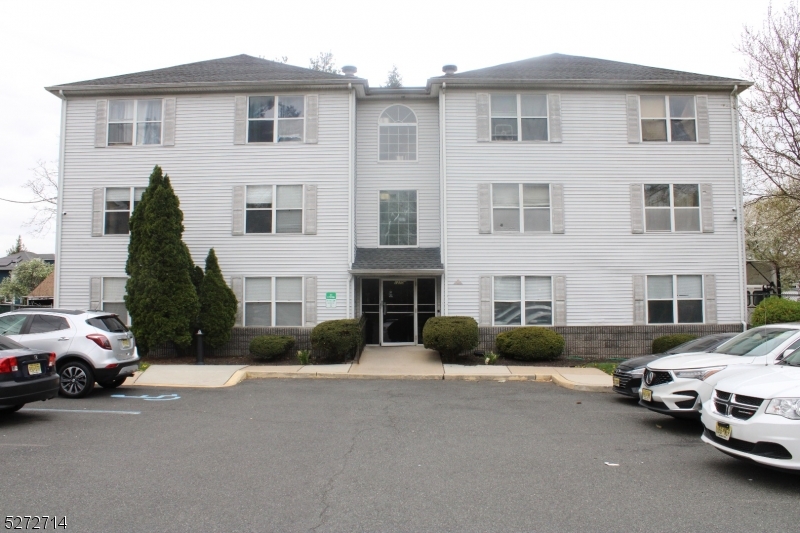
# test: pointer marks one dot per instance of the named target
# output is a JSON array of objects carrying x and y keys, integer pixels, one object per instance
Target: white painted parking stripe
[{"x": 80, "y": 411}]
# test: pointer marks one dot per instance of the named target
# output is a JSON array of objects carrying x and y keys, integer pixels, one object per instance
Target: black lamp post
[{"x": 200, "y": 347}]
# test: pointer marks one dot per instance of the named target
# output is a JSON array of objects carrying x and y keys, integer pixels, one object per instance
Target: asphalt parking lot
[{"x": 377, "y": 455}]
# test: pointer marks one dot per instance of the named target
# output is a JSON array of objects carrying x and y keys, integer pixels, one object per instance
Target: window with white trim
[
  {"x": 113, "y": 298},
  {"x": 398, "y": 218},
  {"x": 668, "y": 118},
  {"x": 518, "y": 298},
  {"x": 674, "y": 299},
  {"x": 275, "y": 119},
  {"x": 119, "y": 204},
  {"x": 273, "y": 301},
  {"x": 520, "y": 207},
  {"x": 397, "y": 133},
  {"x": 519, "y": 117},
  {"x": 135, "y": 121},
  {"x": 284, "y": 214},
  {"x": 672, "y": 207}
]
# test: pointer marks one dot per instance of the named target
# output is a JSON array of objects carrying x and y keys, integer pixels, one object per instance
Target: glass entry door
[{"x": 398, "y": 319}]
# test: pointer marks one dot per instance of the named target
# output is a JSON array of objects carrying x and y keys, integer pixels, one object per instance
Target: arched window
[{"x": 398, "y": 134}]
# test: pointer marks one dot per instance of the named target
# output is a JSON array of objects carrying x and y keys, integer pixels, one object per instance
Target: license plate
[
  {"x": 126, "y": 343},
  {"x": 723, "y": 430},
  {"x": 647, "y": 395},
  {"x": 34, "y": 368},
  {"x": 616, "y": 382}
]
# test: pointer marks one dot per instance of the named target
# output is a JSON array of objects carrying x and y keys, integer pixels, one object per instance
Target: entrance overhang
[{"x": 411, "y": 272}]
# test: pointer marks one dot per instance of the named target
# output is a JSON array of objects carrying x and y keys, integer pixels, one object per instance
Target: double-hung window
[
  {"x": 521, "y": 207},
  {"x": 119, "y": 202},
  {"x": 519, "y": 117},
  {"x": 398, "y": 218},
  {"x": 674, "y": 299},
  {"x": 274, "y": 209},
  {"x": 523, "y": 300},
  {"x": 275, "y": 119},
  {"x": 672, "y": 207},
  {"x": 668, "y": 118},
  {"x": 273, "y": 301},
  {"x": 135, "y": 121},
  {"x": 113, "y": 297}
]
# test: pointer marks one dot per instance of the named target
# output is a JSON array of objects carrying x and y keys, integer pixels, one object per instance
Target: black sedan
[
  {"x": 25, "y": 376},
  {"x": 628, "y": 375}
]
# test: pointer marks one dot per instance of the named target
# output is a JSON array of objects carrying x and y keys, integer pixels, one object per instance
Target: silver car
[{"x": 90, "y": 346}]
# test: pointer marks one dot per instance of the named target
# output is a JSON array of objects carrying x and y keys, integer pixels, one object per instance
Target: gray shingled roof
[
  {"x": 241, "y": 68},
  {"x": 398, "y": 259},
  {"x": 560, "y": 67},
  {"x": 10, "y": 262}
]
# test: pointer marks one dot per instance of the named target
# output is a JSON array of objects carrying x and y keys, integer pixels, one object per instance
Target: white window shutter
[
  {"x": 710, "y": 285},
  {"x": 237, "y": 286},
  {"x": 95, "y": 293},
  {"x": 707, "y": 207},
  {"x": 485, "y": 317},
  {"x": 240, "y": 120},
  {"x": 237, "y": 209},
  {"x": 98, "y": 198},
  {"x": 637, "y": 208},
  {"x": 311, "y": 300},
  {"x": 560, "y": 301},
  {"x": 310, "y": 210},
  {"x": 101, "y": 124},
  {"x": 312, "y": 119},
  {"x": 554, "y": 117},
  {"x": 169, "y": 122},
  {"x": 557, "y": 207},
  {"x": 638, "y": 299},
  {"x": 484, "y": 208},
  {"x": 703, "y": 134},
  {"x": 483, "y": 120},
  {"x": 634, "y": 136}
]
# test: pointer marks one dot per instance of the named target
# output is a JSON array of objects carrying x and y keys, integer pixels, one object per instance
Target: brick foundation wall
[{"x": 240, "y": 342}]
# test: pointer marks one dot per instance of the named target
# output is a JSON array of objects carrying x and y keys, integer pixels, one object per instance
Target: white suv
[
  {"x": 90, "y": 346},
  {"x": 678, "y": 385}
]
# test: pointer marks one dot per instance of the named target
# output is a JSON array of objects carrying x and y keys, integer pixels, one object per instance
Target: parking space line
[{"x": 80, "y": 411}]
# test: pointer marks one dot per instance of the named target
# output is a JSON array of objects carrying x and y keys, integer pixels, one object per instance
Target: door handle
[{"x": 64, "y": 339}]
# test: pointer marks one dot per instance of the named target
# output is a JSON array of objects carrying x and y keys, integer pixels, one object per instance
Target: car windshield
[
  {"x": 110, "y": 323},
  {"x": 756, "y": 342},
  {"x": 697, "y": 345},
  {"x": 8, "y": 344}
]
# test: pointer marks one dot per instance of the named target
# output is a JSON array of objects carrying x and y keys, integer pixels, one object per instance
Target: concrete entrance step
[{"x": 397, "y": 362}]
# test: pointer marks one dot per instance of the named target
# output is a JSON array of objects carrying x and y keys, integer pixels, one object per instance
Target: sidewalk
[{"x": 402, "y": 362}]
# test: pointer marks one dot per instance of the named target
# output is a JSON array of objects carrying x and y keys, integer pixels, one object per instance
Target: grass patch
[
  {"x": 608, "y": 368},
  {"x": 143, "y": 366}
]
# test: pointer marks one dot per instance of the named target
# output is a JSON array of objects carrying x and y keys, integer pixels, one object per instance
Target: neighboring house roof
[
  {"x": 382, "y": 259},
  {"x": 46, "y": 289},
  {"x": 10, "y": 262},
  {"x": 241, "y": 69}
]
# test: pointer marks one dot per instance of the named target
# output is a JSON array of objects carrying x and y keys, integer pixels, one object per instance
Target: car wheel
[
  {"x": 112, "y": 384},
  {"x": 76, "y": 380},
  {"x": 8, "y": 409}
]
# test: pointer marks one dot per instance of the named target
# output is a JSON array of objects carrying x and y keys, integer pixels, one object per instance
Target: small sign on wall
[{"x": 330, "y": 299}]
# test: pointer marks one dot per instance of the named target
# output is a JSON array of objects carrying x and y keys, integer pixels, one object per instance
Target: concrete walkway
[{"x": 401, "y": 362}]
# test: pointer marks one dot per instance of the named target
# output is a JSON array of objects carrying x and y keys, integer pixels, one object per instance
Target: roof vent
[
  {"x": 449, "y": 69},
  {"x": 349, "y": 71}
]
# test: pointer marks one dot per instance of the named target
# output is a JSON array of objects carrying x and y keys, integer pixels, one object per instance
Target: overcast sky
[{"x": 46, "y": 43}]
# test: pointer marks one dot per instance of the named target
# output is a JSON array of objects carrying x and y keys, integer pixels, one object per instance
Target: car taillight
[
  {"x": 8, "y": 365},
  {"x": 100, "y": 340},
  {"x": 52, "y": 359}
]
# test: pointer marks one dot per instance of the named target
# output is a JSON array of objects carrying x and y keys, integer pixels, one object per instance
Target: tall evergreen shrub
[{"x": 217, "y": 304}]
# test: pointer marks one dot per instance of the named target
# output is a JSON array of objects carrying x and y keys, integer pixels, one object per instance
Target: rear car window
[
  {"x": 111, "y": 324},
  {"x": 8, "y": 344},
  {"x": 12, "y": 324},
  {"x": 47, "y": 323}
]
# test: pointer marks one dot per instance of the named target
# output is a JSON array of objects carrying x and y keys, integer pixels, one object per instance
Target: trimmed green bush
[
  {"x": 774, "y": 310},
  {"x": 217, "y": 304},
  {"x": 530, "y": 343},
  {"x": 450, "y": 335},
  {"x": 665, "y": 342},
  {"x": 336, "y": 338},
  {"x": 271, "y": 346}
]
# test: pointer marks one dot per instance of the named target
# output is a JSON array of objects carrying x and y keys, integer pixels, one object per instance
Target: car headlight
[
  {"x": 786, "y": 407},
  {"x": 637, "y": 372},
  {"x": 698, "y": 373}
]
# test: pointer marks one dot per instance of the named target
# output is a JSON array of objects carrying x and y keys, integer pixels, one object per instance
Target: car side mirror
[{"x": 785, "y": 354}]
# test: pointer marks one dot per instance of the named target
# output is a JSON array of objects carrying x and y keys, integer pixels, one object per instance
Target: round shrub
[
  {"x": 450, "y": 335},
  {"x": 530, "y": 343},
  {"x": 665, "y": 342},
  {"x": 337, "y": 338},
  {"x": 774, "y": 310},
  {"x": 271, "y": 346}
]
